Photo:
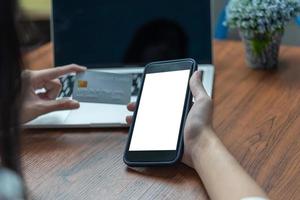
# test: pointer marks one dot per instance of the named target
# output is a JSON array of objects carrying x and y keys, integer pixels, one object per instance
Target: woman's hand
[
  {"x": 131, "y": 107},
  {"x": 199, "y": 120},
  {"x": 221, "y": 174},
  {"x": 198, "y": 124},
  {"x": 35, "y": 104}
]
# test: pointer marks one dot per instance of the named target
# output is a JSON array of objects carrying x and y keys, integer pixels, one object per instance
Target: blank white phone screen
[{"x": 160, "y": 111}]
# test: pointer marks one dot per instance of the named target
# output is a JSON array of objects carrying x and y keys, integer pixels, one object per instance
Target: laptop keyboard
[{"x": 67, "y": 83}]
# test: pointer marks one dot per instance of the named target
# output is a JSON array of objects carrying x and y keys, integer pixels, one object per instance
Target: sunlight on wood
[{"x": 36, "y": 8}]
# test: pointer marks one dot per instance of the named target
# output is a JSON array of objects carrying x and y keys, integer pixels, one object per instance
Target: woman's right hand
[{"x": 199, "y": 121}]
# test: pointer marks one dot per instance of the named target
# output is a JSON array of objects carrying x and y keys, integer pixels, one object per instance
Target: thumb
[
  {"x": 196, "y": 86},
  {"x": 61, "y": 104}
]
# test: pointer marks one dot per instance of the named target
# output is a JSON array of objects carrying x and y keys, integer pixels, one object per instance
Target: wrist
[{"x": 206, "y": 141}]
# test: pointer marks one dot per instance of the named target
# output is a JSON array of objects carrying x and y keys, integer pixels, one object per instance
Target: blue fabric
[
  {"x": 11, "y": 186},
  {"x": 221, "y": 31},
  {"x": 298, "y": 20}
]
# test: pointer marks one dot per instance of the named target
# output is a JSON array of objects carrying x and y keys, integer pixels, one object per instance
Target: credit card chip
[{"x": 82, "y": 84}]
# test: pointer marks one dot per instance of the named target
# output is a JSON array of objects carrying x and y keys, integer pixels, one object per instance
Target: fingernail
[{"x": 75, "y": 102}]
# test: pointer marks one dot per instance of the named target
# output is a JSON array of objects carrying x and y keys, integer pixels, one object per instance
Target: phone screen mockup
[
  {"x": 160, "y": 111},
  {"x": 155, "y": 133}
]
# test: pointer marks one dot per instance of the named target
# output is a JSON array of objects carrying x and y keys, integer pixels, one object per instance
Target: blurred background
[{"x": 36, "y": 21}]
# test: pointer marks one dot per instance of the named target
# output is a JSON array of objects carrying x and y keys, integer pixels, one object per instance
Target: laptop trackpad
[{"x": 95, "y": 113}]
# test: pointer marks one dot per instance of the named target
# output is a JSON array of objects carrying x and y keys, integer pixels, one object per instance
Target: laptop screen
[{"x": 99, "y": 33}]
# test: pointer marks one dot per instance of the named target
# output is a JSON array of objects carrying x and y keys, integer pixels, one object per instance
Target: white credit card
[{"x": 102, "y": 87}]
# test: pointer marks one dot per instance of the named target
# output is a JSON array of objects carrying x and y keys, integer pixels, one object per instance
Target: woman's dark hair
[{"x": 10, "y": 87}]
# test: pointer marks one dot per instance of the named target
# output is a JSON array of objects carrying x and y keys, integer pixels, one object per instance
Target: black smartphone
[{"x": 156, "y": 133}]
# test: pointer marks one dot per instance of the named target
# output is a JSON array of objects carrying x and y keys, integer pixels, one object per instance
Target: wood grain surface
[{"x": 256, "y": 115}]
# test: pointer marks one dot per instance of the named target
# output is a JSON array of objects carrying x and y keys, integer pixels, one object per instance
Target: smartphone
[{"x": 156, "y": 133}]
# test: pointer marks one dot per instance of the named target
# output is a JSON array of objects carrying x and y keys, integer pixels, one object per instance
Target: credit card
[{"x": 102, "y": 87}]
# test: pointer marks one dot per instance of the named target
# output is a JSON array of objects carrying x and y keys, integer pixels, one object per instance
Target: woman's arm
[{"x": 220, "y": 172}]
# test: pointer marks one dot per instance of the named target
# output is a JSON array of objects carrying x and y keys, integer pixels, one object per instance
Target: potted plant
[{"x": 261, "y": 25}]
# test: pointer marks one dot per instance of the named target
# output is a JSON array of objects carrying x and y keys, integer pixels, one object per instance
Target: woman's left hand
[
  {"x": 198, "y": 124},
  {"x": 35, "y": 104}
]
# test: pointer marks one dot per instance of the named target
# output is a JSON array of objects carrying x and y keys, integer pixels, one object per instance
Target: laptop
[{"x": 122, "y": 37}]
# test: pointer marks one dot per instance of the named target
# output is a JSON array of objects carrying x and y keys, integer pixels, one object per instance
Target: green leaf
[{"x": 260, "y": 44}]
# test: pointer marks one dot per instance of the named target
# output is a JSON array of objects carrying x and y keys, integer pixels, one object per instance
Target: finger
[
  {"x": 53, "y": 88},
  {"x": 196, "y": 86},
  {"x": 131, "y": 106},
  {"x": 54, "y": 73},
  {"x": 129, "y": 120},
  {"x": 62, "y": 104}
]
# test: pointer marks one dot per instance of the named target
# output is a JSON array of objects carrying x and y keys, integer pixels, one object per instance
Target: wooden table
[{"x": 257, "y": 116}]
